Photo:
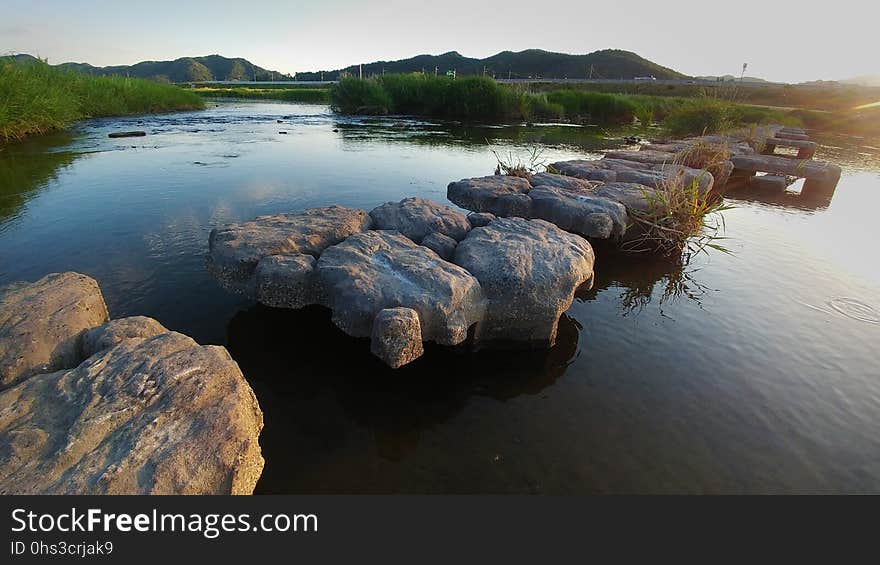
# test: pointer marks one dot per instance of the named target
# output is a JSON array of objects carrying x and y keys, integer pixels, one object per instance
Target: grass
[
  {"x": 316, "y": 95},
  {"x": 36, "y": 98},
  {"x": 712, "y": 115}
]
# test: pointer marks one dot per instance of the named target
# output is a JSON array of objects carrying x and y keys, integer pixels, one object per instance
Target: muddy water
[{"x": 757, "y": 371}]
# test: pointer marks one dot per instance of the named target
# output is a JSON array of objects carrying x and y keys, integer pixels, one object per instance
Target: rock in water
[
  {"x": 480, "y": 219},
  {"x": 502, "y": 195},
  {"x": 115, "y": 331},
  {"x": 235, "y": 250},
  {"x": 561, "y": 181},
  {"x": 442, "y": 245},
  {"x": 397, "y": 336},
  {"x": 580, "y": 213},
  {"x": 375, "y": 270},
  {"x": 117, "y": 134},
  {"x": 529, "y": 270},
  {"x": 286, "y": 281},
  {"x": 161, "y": 415},
  {"x": 41, "y": 324},
  {"x": 417, "y": 217}
]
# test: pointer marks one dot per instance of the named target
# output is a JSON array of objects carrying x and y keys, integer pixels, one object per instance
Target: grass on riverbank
[
  {"x": 36, "y": 98},
  {"x": 314, "y": 95}
]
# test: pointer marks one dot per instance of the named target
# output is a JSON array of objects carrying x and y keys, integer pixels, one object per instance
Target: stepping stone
[
  {"x": 770, "y": 183},
  {"x": 417, "y": 217}
]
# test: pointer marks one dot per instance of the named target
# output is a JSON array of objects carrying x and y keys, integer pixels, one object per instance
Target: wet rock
[
  {"x": 561, "y": 181},
  {"x": 635, "y": 197},
  {"x": 529, "y": 270},
  {"x": 160, "y": 415},
  {"x": 237, "y": 249},
  {"x": 502, "y": 195},
  {"x": 286, "y": 281},
  {"x": 117, "y": 134},
  {"x": 114, "y": 332},
  {"x": 397, "y": 336},
  {"x": 582, "y": 213},
  {"x": 417, "y": 217},
  {"x": 442, "y": 245},
  {"x": 480, "y": 219},
  {"x": 375, "y": 270},
  {"x": 41, "y": 324}
]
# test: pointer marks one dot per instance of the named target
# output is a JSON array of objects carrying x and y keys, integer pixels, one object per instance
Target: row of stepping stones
[{"x": 409, "y": 272}]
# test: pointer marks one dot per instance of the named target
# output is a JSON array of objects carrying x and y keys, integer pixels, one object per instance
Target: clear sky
[{"x": 781, "y": 40}]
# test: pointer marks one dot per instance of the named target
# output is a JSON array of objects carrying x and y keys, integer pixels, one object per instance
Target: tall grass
[
  {"x": 37, "y": 98},
  {"x": 712, "y": 115}
]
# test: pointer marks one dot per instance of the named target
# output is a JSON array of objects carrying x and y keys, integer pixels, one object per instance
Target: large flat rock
[
  {"x": 529, "y": 270},
  {"x": 582, "y": 213},
  {"x": 41, "y": 324},
  {"x": 377, "y": 270},
  {"x": 157, "y": 415},
  {"x": 502, "y": 195},
  {"x": 236, "y": 250},
  {"x": 417, "y": 218},
  {"x": 774, "y": 164}
]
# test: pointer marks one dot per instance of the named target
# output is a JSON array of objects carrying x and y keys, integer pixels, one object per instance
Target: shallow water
[{"x": 751, "y": 372}]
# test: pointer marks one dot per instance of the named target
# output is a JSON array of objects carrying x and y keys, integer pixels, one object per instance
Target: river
[{"x": 750, "y": 372}]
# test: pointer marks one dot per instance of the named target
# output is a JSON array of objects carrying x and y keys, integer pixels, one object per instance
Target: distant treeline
[{"x": 38, "y": 98}]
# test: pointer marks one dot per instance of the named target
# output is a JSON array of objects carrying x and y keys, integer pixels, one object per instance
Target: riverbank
[
  {"x": 484, "y": 99},
  {"x": 314, "y": 95},
  {"x": 38, "y": 98}
]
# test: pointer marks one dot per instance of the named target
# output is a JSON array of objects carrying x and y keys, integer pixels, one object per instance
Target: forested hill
[{"x": 532, "y": 63}]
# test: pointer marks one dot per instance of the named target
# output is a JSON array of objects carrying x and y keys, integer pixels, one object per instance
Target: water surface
[{"x": 750, "y": 372}]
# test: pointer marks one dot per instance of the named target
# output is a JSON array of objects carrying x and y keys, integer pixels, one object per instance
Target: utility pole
[
  {"x": 436, "y": 70},
  {"x": 361, "y": 71},
  {"x": 591, "y": 72}
]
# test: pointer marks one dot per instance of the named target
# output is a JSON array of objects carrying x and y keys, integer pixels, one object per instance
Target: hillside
[
  {"x": 532, "y": 63},
  {"x": 185, "y": 69}
]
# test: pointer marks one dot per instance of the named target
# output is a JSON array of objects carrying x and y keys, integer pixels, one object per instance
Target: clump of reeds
[
  {"x": 681, "y": 219},
  {"x": 515, "y": 166}
]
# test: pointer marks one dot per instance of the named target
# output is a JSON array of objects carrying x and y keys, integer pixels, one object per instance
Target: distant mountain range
[
  {"x": 185, "y": 69},
  {"x": 532, "y": 63}
]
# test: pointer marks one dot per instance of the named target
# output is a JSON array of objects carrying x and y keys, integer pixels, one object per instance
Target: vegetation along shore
[{"x": 37, "y": 98}]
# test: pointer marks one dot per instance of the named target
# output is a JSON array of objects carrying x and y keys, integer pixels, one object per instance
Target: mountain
[
  {"x": 532, "y": 63},
  {"x": 185, "y": 69}
]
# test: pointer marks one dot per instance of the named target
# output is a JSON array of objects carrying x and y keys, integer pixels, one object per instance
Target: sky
[{"x": 780, "y": 40}]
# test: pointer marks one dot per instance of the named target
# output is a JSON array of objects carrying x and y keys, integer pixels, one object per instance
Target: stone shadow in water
[{"x": 319, "y": 387}]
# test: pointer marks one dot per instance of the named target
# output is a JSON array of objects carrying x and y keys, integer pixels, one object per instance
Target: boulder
[
  {"x": 529, "y": 270},
  {"x": 572, "y": 184},
  {"x": 235, "y": 250},
  {"x": 635, "y": 197},
  {"x": 642, "y": 156},
  {"x": 582, "y": 213},
  {"x": 156, "y": 415},
  {"x": 114, "y": 332},
  {"x": 502, "y": 195},
  {"x": 375, "y": 270},
  {"x": 286, "y": 281},
  {"x": 397, "y": 336},
  {"x": 480, "y": 219},
  {"x": 417, "y": 217},
  {"x": 585, "y": 169},
  {"x": 41, "y": 324},
  {"x": 442, "y": 245}
]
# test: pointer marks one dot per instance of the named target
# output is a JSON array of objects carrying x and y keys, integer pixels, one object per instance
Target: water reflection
[
  {"x": 310, "y": 376},
  {"x": 27, "y": 167}
]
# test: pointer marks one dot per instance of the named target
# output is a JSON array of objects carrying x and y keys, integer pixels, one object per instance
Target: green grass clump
[
  {"x": 597, "y": 107},
  {"x": 287, "y": 94},
  {"x": 712, "y": 115},
  {"x": 354, "y": 96},
  {"x": 37, "y": 98}
]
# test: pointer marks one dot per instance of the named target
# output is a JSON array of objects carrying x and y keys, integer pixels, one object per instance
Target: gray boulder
[
  {"x": 634, "y": 197},
  {"x": 582, "y": 213},
  {"x": 502, "y": 195},
  {"x": 157, "y": 415},
  {"x": 286, "y": 281},
  {"x": 585, "y": 169},
  {"x": 480, "y": 219},
  {"x": 115, "y": 331},
  {"x": 529, "y": 270},
  {"x": 41, "y": 324},
  {"x": 417, "y": 217},
  {"x": 572, "y": 184},
  {"x": 235, "y": 250},
  {"x": 375, "y": 270},
  {"x": 397, "y": 336},
  {"x": 442, "y": 245}
]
